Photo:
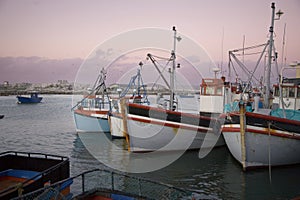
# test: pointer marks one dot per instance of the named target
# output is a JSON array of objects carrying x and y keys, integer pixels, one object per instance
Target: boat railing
[
  {"x": 33, "y": 155},
  {"x": 82, "y": 103},
  {"x": 106, "y": 181},
  {"x": 42, "y": 174}
]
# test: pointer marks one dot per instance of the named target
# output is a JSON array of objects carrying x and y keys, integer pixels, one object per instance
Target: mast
[
  {"x": 268, "y": 68},
  {"x": 139, "y": 77},
  {"x": 172, "y": 71}
]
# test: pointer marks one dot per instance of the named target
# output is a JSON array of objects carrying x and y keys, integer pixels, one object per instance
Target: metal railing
[{"x": 99, "y": 180}]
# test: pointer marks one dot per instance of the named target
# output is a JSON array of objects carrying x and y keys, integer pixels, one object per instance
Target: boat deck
[{"x": 8, "y": 181}]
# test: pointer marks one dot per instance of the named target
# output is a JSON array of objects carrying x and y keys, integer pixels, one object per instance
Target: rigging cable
[
  {"x": 163, "y": 69},
  {"x": 283, "y": 47},
  {"x": 251, "y": 47}
]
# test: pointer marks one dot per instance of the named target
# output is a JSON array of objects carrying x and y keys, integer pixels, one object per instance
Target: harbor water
[{"x": 48, "y": 127}]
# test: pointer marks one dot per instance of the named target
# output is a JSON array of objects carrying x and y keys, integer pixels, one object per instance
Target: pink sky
[{"x": 72, "y": 29}]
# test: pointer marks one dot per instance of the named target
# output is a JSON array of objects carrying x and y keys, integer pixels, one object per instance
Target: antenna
[
  {"x": 279, "y": 13},
  {"x": 222, "y": 48},
  {"x": 283, "y": 46},
  {"x": 216, "y": 70},
  {"x": 243, "y": 47}
]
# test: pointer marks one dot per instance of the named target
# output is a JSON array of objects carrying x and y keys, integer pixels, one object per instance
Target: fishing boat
[
  {"x": 269, "y": 136},
  {"x": 91, "y": 113},
  {"x": 105, "y": 184},
  {"x": 162, "y": 126},
  {"x": 33, "y": 98},
  {"x": 24, "y": 172},
  {"x": 135, "y": 92}
]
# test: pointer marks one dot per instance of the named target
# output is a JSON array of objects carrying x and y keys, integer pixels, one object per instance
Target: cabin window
[
  {"x": 285, "y": 92},
  {"x": 219, "y": 91},
  {"x": 298, "y": 92},
  {"x": 97, "y": 103},
  {"x": 212, "y": 87},
  {"x": 203, "y": 90},
  {"x": 84, "y": 103},
  {"x": 91, "y": 103},
  {"x": 210, "y": 90},
  {"x": 292, "y": 92},
  {"x": 276, "y": 92}
]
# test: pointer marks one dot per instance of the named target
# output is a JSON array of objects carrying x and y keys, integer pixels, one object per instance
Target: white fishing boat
[
  {"x": 91, "y": 113},
  {"x": 262, "y": 137},
  {"x": 162, "y": 126}
]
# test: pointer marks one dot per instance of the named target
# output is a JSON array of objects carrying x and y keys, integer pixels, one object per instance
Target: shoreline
[{"x": 14, "y": 93}]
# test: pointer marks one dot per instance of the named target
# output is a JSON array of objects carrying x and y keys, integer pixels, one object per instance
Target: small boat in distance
[
  {"x": 24, "y": 172},
  {"x": 1, "y": 116},
  {"x": 34, "y": 98}
]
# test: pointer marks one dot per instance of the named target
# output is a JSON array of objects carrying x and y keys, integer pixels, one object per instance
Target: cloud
[{"x": 38, "y": 69}]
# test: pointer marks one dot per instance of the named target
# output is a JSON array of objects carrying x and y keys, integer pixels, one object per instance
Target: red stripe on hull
[
  {"x": 264, "y": 117},
  {"x": 117, "y": 115},
  {"x": 149, "y": 121},
  {"x": 272, "y": 118},
  {"x": 264, "y": 132},
  {"x": 90, "y": 112}
]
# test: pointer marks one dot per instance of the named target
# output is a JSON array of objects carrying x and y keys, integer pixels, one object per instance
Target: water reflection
[
  {"x": 49, "y": 128},
  {"x": 217, "y": 176}
]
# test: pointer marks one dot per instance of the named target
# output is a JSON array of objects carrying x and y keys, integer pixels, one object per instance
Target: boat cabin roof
[
  {"x": 211, "y": 86},
  {"x": 295, "y": 81},
  {"x": 211, "y": 82},
  {"x": 285, "y": 85}
]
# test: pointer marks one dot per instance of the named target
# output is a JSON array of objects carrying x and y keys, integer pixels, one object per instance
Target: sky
[{"x": 65, "y": 32}]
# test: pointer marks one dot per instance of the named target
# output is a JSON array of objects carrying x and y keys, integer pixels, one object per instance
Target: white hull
[
  {"x": 116, "y": 126},
  {"x": 158, "y": 135},
  {"x": 262, "y": 149},
  {"x": 91, "y": 123}
]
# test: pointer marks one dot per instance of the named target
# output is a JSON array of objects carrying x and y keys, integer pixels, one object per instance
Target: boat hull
[
  {"x": 273, "y": 145},
  {"x": 116, "y": 125},
  {"x": 90, "y": 121},
  {"x": 29, "y": 99},
  {"x": 152, "y": 129}
]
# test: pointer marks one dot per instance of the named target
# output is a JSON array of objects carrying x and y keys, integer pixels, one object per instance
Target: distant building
[
  {"x": 5, "y": 83},
  {"x": 63, "y": 82}
]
